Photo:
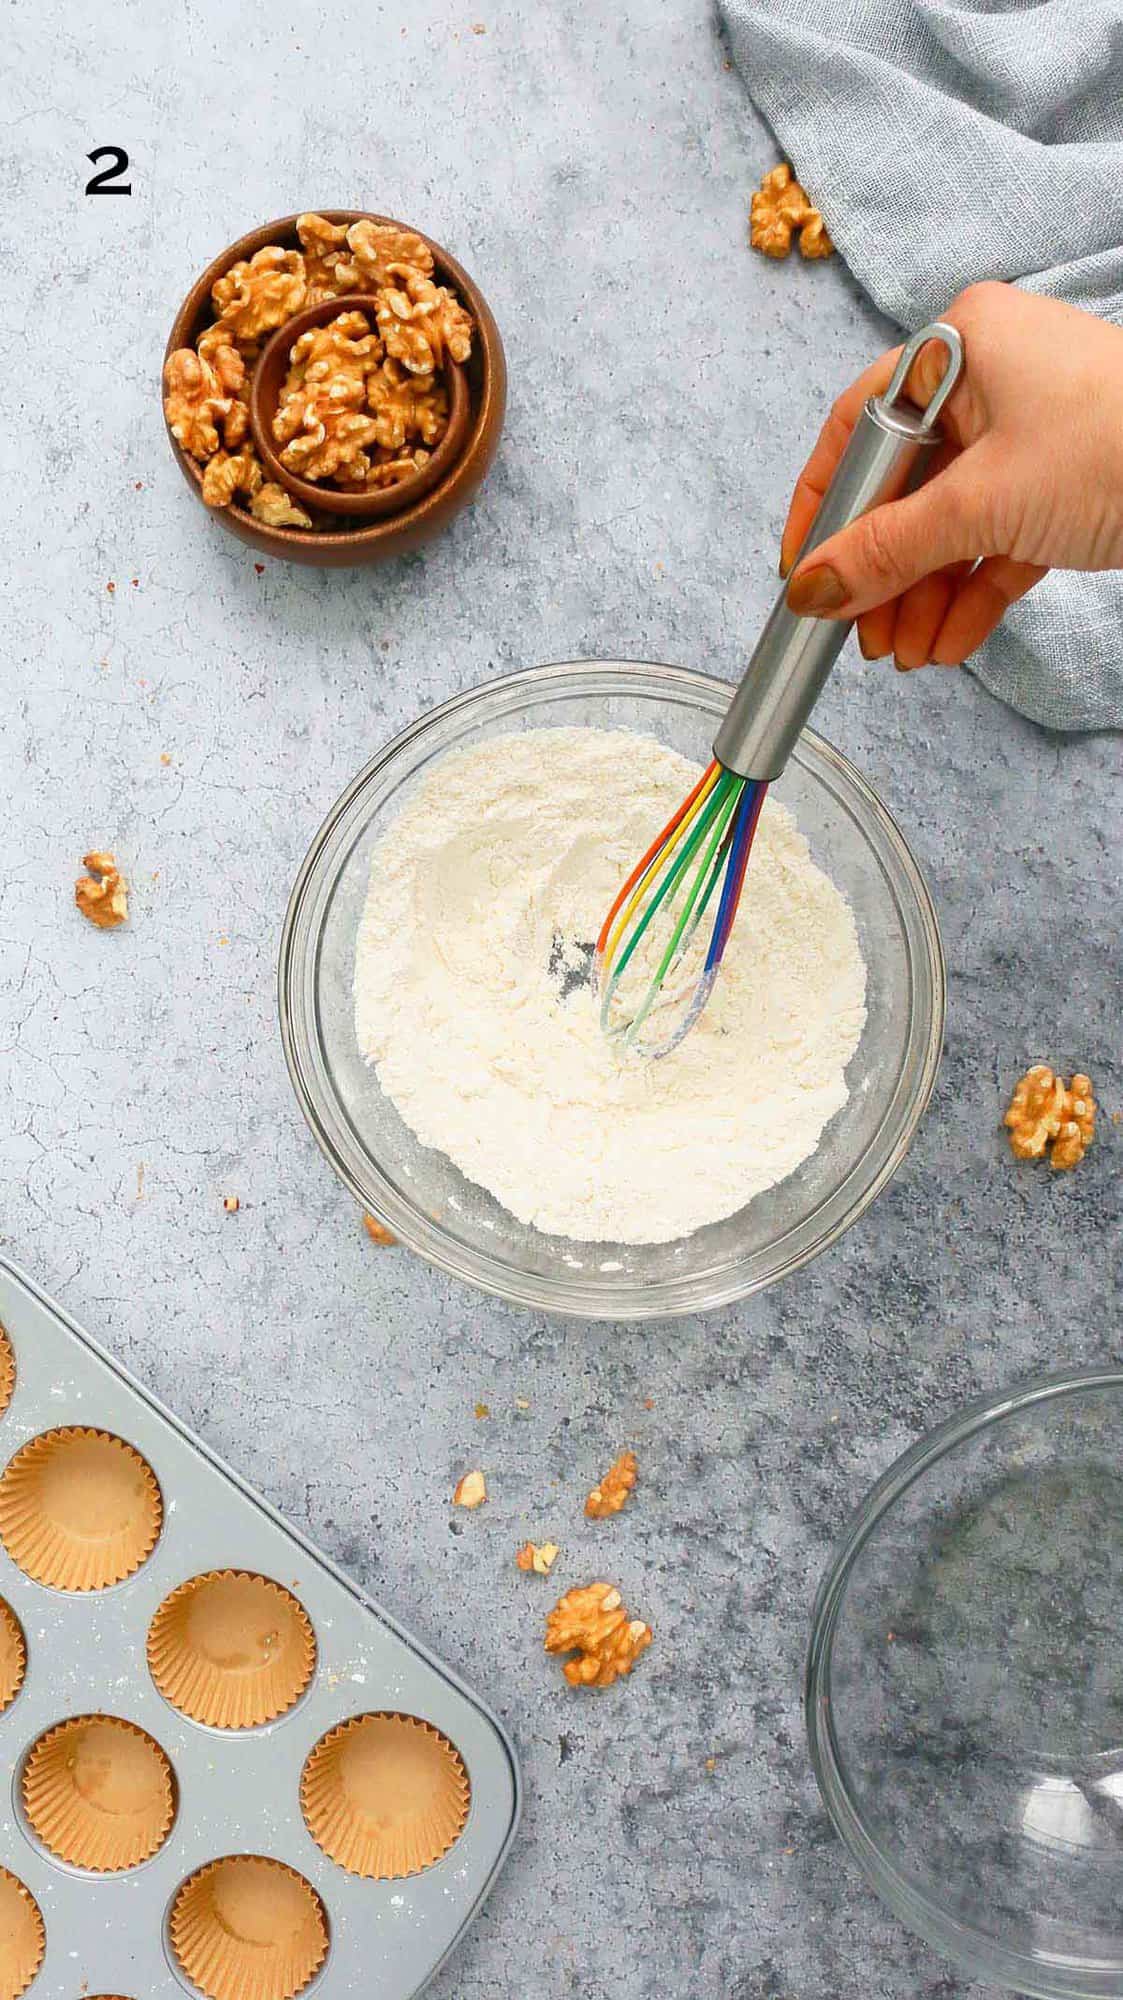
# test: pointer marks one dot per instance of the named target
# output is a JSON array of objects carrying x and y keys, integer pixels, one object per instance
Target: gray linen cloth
[{"x": 947, "y": 141}]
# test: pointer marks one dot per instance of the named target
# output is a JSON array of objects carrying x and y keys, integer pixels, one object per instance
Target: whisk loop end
[{"x": 707, "y": 842}]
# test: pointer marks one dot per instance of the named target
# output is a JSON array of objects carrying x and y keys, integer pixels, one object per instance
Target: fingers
[
  {"x": 978, "y": 605},
  {"x": 920, "y": 614},
  {"x": 875, "y": 631},
  {"x": 885, "y": 552},
  {"x": 829, "y": 447}
]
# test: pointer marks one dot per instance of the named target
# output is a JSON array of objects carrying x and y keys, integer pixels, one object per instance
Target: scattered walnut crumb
[
  {"x": 471, "y": 1492},
  {"x": 711, "y": 1765},
  {"x": 231, "y": 1204},
  {"x": 592, "y": 1622},
  {"x": 378, "y": 1232},
  {"x": 538, "y": 1556},
  {"x": 164, "y": 758},
  {"x": 780, "y": 207},
  {"x": 103, "y": 894},
  {"x": 478, "y": 28},
  {"x": 111, "y": 587},
  {"x": 521, "y": 1403},
  {"x": 483, "y": 1410},
  {"x": 1044, "y": 1113},
  {"x": 614, "y": 1488}
]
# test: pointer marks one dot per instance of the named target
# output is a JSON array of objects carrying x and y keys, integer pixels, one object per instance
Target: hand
[{"x": 1031, "y": 479}]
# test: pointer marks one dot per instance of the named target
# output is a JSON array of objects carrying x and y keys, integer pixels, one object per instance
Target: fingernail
[
  {"x": 862, "y": 649},
  {"x": 816, "y": 590},
  {"x": 784, "y": 566},
  {"x": 900, "y": 665}
]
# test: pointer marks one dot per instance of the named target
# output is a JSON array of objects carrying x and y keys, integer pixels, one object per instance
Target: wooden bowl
[
  {"x": 343, "y": 541},
  {"x": 265, "y": 394}
]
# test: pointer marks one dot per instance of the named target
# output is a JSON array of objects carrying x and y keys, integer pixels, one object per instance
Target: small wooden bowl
[
  {"x": 380, "y": 501},
  {"x": 339, "y": 544}
]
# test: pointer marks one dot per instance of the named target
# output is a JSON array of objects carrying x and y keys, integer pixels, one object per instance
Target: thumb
[{"x": 881, "y": 554}]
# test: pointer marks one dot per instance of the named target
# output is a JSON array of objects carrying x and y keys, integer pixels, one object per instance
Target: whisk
[{"x": 698, "y": 863}]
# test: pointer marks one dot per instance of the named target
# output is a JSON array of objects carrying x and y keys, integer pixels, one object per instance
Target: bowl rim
[
  {"x": 584, "y": 1297},
  {"x": 487, "y": 408},
  {"x": 983, "y": 1957}
]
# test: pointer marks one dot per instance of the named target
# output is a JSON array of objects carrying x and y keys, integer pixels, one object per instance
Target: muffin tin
[{"x": 232, "y": 1773}]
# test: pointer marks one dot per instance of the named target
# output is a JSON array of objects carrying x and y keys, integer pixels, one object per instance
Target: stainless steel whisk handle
[{"x": 890, "y": 446}]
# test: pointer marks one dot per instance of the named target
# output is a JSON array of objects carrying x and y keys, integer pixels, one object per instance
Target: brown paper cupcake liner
[
  {"x": 7, "y": 1369},
  {"x": 22, "y": 1937},
  {"x": 248, "y": 1928},
  {"x": 13, "y": 1656},
  {"x": 79, "y": 1509},
  {"x": 99, "y": 1793},
  {"x": 384, "y": 1795},
  {"x": 231, "y": 1649}
]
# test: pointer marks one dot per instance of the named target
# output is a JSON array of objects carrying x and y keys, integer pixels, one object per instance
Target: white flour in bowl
[{"x": 489, "y": 889}]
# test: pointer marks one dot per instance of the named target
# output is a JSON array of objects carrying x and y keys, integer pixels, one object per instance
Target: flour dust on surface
[{"x": 475, "y": 1003}]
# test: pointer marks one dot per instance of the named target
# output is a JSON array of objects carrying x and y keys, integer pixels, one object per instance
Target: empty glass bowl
[
  {"x": 427, "y": 1202},
  {"x": 965, "y": 1687}
]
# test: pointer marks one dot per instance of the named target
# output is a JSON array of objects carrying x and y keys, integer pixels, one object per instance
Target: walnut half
[
  {"x": 780, "y": 207},
  {"x": 592, "y": 1622},
  {"x": 1045, "y": 1114}
]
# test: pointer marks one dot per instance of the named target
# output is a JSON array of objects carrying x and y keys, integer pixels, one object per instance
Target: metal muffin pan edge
[{"x": 87, "y": 1654}]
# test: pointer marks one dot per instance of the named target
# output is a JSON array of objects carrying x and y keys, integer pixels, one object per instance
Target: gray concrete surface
[{"x": 592, "y": 166}]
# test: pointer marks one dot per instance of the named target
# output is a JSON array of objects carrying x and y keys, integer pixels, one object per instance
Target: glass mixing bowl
[
  {"x": 427, "y": 1202},
  {"x": 965, "y": 1694}
]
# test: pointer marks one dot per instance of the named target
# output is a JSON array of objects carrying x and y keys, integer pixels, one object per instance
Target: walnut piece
[
  {"x": 471, "y": 1491},
  {"x": 614, "y": 1488},
  {"x": 406, "y": 406},
  {"x": 388, "y": 469},
  {"x": 214, "y": 347},
  {"x": 382, "y": 253},
  {"x": 228, "y": 473},
  {"x": 538, "y": 1556},
  {"x": 592, "y": 1622},
  {"x": 327, "y": 272},
  {"x": 1044, "y": 1114},
  {"x": 376, "y": 1230},
  {"x": 194, "y": 402},
  {"x": 277, "y": 509},
  {"x": 103, "y": 894},
  {"x": 260, "y": 294},
  {"x": 781, "y": 206},
  {"x": 423, "y": 323}
]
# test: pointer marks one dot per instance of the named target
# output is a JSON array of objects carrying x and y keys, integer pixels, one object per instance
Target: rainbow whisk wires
[{"x": 651, "y": 925}]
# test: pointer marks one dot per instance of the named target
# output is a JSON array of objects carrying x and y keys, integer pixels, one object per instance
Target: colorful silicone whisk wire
[{"x": 714, "y": 828}]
